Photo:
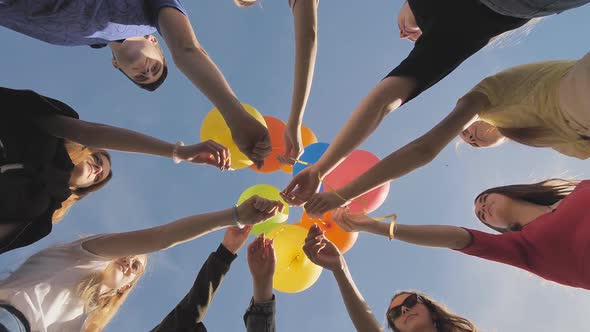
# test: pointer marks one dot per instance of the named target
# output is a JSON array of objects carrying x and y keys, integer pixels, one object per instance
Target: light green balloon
[{"x": 269, "y": 192}]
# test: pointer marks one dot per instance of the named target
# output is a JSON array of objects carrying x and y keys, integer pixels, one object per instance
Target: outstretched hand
[
  {"x": 302, "y": 187},
  {"x": 322, "y": 251},
  {"x": 252, "y": 139},
  {"x": 235, "y": 238},
  {"x": 261, "y": 259},
  {"x": 321, "y": 203},
  {"x": 208, "y": 152},
  {"x": 257, "y": 209},
  {"x": 293, "y": 146},
  {"x": 352, "y": 222}
]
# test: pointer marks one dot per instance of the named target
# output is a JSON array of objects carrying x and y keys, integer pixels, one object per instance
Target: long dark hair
[
  {"x": 444, "y": 319},
  {"x": 544, "y": 193}
]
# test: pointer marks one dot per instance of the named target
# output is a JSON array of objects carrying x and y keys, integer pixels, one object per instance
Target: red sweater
[{"x": 555, "y": 246}]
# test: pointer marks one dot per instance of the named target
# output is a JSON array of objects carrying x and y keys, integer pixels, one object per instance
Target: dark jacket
[
  {"x": 34, "y": 167},
  {"x": 188, "y": 315}
]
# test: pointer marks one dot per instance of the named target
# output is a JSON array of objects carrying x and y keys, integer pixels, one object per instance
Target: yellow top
[{"x": 528, "y": 96}]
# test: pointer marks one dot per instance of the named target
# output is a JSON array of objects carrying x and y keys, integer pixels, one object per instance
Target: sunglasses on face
[{"x": 410, "y": 301}]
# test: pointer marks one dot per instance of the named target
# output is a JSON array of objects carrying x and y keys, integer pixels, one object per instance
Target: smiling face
[
  {"x": 481, "y": 134},
  {"x": 140, "y": 58},
  {"x": 91, "y": 171},
  {"x": 122, "y": 272},
  {"x": 495, "y": 209},
  {"x": 408, "y": 313}
]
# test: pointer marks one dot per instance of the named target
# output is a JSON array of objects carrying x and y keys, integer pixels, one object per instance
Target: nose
[
  {"x": 96, "y": 169},
  {"x": 405, "y": 309}
]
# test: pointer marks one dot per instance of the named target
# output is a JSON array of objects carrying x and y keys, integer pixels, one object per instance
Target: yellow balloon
[
  {"x": 215, "y": 128},
  {"x": 294, "y": 272}
]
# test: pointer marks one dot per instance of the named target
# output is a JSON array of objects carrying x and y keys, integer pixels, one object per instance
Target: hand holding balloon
[
  {"x": 208, "y": 152},
  {"x": 252, "y": 138},
  {"x": 235, "y": 238},
  {"x": 256, "y": 209},
  {"x": 321, "y": 203},
  {"x": 353, "y": 222},
  {"x": 293, "y": 145},
  {"x": 262, "y": 261},
  {"x": 321, "y": 251},
  {"x": 302, "y": 187}
]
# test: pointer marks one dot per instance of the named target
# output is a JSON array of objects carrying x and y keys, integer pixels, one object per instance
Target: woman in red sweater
[{"x": 544, "y": 229}]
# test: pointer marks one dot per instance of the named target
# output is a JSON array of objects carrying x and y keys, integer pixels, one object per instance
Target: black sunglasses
[{"x": 410, "y": 301}]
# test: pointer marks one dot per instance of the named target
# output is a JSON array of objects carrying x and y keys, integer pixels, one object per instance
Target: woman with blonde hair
[
  {"x": 49, "y": 159},
  {"x": 543, "y": 104},
  {"x": 544, "y": 229},
  {"x": 79, "y": 286},
  {"x": 408, "y": 311},
  {"x": 446, "y": 33},
  {"x": 305, "y": 19}
]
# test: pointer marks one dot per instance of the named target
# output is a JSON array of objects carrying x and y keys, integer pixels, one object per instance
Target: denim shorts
[
  {"x": 9, "y": 322},
  {"x": 531, "y": 8}
]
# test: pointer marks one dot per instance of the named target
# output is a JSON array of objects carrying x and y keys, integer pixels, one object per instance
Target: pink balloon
[{"x": 357, "y": 163}]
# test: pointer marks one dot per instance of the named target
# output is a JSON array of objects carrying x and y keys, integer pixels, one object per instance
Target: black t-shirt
[
  {"x": 452, "y": 31},
  {"x": 29, "y": 196}
]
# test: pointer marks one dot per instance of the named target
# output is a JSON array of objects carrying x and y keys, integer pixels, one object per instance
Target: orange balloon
[
  {"x": 276, "y": 130},
  {"x": 342, "y": 239},
  {"x": 307, "y": 138}
]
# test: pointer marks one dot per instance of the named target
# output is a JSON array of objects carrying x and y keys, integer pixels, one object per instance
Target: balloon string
[{"x": 292, "y": 261}]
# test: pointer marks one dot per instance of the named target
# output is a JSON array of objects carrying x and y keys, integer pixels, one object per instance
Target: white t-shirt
[{"x": 44, "y": 287}]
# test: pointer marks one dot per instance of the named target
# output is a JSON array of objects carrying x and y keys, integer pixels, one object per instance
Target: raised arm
[
  {"x": 305, "y": 21},
  {"x": 101, "y": 136},
  {"x": 451, "y": 237},
  {"x": 416, "y": 154},
  {"x": 252, "y": 211},
  {"x": 192, "y": 59},
  {"x": 324, "y": 253}
]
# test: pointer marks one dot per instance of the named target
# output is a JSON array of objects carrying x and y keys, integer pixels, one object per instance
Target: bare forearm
[
  {"x": 160, "y": 238},
  {"x": 361, "y": 315},
  {"x": 442, "y": 236},
  {"x": 305, "y": 20},
  {"x": 387, "y": 96},
  {"x": 198, "y": 67},
  {"x": 394, "y": 166},
  {"x": 103, "y": 136},
  {"x": 262, "y": 290}
]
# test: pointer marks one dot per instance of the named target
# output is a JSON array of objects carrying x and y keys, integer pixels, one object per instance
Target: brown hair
[
  {"x": 544, "y": 193},
  {"x": 79, "y": 153},
  {"x": 101, "y": 308},
  {"x": 443, "y": 319}
]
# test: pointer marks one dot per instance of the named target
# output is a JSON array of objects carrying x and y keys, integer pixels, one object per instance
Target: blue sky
[{"x": 358, "y": 45}]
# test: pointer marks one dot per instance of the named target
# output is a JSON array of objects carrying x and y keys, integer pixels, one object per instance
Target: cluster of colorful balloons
[{"x": 294, "y": 271}]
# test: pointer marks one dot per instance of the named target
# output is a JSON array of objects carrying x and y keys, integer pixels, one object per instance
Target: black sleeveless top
[{"x": 34, "y": 166}]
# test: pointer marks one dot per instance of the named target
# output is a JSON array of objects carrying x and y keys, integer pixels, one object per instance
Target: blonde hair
[
  {"x": 514, "y": 37},
  {"x": 244, "y": 3},
  {"x": 443, "y": 318},
  {"x": 101, "y": 308},
  {"x": 79, "y": 153}
]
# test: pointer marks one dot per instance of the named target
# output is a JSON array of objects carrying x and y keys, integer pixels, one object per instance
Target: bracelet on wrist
[
  {"x": 175, "y": 157},
  {"x": 236, "y": 217}
]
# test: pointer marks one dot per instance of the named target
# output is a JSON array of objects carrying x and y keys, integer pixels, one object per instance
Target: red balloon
[
  {"x": 342, "y": 239},
  {"x": 276, "y": 130},
  {"x": 357, "y": 163}
]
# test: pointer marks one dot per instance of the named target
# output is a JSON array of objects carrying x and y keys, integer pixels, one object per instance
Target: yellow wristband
[{"x": 392, "y": 227}]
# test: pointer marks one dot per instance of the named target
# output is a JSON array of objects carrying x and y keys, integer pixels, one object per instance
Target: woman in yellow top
[{"x": 543, "y": 104}]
